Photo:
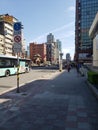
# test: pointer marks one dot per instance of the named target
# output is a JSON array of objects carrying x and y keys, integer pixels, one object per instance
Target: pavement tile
[
  {"x": 84, "y": 125},
  {"x": 72, "y": 113},
  {"x": 71, "y": 129},
  {"x": 51, "y": 116},
  {"x": 81, "y": 114},
  {"x": 82, "y": 119},
  {"x": 71, "y": 118},
  {"x": 47, "y": 127},
  {"x": 71, "y": 124}
]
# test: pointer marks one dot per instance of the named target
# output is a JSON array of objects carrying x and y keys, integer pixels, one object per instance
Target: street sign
[
  {"x": 17, "y": 38},
  {"x": 17, "y": 26},
  {"x": 17, "y": 47},
  {"x": 17, "y": 32}
]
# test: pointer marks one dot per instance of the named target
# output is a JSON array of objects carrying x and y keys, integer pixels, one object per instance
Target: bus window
[
  {"x": 2, "y": 62},
  {"x": 7, "y": 62}
]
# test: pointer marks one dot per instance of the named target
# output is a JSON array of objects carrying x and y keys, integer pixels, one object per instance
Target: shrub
[{"x": 92, "y": 77}]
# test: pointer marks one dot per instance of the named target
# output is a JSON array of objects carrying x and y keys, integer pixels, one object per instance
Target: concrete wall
[{"x": 95, "y": 51}]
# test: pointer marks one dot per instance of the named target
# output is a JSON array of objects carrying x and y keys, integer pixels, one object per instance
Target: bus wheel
[{"x": 7, "y": 73}]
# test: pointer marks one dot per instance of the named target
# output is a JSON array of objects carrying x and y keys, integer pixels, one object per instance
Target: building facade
[
  {"x": 50, "y": 38},
  {"x": 50, "y": 52},
  {"x": 93, "y": 33},
  {"x": 38, "y": 52},
  {"x": 53, "y": 49},
  {"x": 59, "y": 45},
  {"x": 85, "y": 13},
  {"x": 1, "y": 44},
  {"x": 7, "y": 32}
]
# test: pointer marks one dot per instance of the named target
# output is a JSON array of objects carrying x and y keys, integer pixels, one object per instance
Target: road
[
  {"x": 9, "y": 83},
  {"x": 61, "y": 102}
]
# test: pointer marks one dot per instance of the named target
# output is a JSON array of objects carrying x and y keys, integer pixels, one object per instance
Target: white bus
[{"x": 8, "y": 65}]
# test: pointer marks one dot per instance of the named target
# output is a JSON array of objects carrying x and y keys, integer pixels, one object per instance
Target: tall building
[
  {"x": 50, "y": 50},
  {"x": 85, "y": 13},
  {"x": 59, "y": 44},
  {"x": 53, "y": 49},
  {"x": 50, "y": 38}
]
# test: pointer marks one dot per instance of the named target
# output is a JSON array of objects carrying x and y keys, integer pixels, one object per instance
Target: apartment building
[
  {"x": 6, "y": 32},
  {"x": 1, "y": 44}
]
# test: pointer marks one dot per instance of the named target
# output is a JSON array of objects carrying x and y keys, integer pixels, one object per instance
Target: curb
[{"x": 94, "y": 89}]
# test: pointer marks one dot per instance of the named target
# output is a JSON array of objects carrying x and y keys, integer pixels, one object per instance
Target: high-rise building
[
  {"x": 59, "y": 44},
  {"x": 85, "y": 13},
  {"x": 50, "y": 38}
]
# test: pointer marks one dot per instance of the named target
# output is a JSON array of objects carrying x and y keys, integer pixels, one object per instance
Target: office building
[{"x": 85, "y": 13}]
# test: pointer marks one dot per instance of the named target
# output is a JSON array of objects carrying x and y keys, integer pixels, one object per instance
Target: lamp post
[{"x": 60, "y": 61}]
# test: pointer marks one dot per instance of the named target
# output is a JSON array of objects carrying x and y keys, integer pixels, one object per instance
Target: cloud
[
  {"x": 62, "y": 27},
  {"x": 70, "y": 11},
  {"x": 71, "y": 8},
  {"x": 57, "y": 30}
]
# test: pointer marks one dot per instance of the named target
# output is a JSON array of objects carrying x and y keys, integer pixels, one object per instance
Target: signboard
[
  {"x": 17, "y": 32},
  {"x": 17, "y": 38},
  {"x": 8, "y": 19},
  {"x": 17, "y": 47},
  {"x": 17, "y": 26}
]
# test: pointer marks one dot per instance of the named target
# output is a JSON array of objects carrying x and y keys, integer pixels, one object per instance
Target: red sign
[{"x": 17, "y": 38}]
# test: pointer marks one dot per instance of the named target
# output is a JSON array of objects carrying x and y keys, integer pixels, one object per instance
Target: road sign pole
[
  {"x": 17, "y": 74},
  {"x": 17, "y": 47}
]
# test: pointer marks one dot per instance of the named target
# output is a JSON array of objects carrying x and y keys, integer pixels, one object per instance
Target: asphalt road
[{"x": 9, "y": 83}]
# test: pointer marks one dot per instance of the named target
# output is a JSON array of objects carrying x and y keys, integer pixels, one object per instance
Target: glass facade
[{"x": 85, "y": 14}]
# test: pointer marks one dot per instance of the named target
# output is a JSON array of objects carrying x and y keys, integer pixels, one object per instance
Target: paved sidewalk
[{"x": 64, "y": 103}]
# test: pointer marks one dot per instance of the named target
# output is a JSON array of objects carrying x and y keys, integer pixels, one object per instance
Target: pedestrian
[
  {"x": 68, "y": 67},
  {"x": 78, "y": 66}
]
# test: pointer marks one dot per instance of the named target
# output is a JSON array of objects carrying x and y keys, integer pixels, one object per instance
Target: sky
[{"x": 41, "y": 17}]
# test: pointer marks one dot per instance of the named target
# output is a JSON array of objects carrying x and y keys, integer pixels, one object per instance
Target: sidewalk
[{"x": 64, "y": 102}]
